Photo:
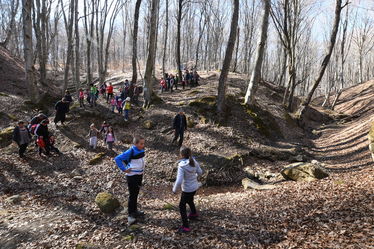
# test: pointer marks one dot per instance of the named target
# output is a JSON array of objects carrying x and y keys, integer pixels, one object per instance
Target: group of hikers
[
  {"x": 131, "y": 161},
  {"x": 170, "y": 81}
]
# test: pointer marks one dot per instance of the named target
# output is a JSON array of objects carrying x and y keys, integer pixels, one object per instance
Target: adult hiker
[
  {"x": 22, "y": 136},
  {"x": 179, "y": 125},
  {"x": 37, "y": 119},
  {"x": 109, "y": 91},
  {"x": 132, "y": 163},
  {"x": 68, "y": 98},
  {"x": 188, "y": 171},
  {"x": 43, "y": 137},
  {"x": 61, "y": 107}
]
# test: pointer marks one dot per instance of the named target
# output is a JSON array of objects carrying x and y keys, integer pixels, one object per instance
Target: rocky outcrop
[
  {"x": 248, "y": 183},
  {"x": 304, "y": 171},
  {"x": 148, "y": 124}
]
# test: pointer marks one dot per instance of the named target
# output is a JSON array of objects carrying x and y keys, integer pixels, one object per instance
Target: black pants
[
  {"x": 22, "y": 149},
  {"x": 108, "y": 97},
  {"x": 81, "y": 102},
  {"x": 134, "y": 184},
  {"x": 186, "y": 198},
  {"x": 60, "y": 116},
  {"x": 179, "y": 134}
]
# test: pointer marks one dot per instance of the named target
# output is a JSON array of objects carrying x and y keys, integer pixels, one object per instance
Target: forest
[{"x": 186, "y": 123}]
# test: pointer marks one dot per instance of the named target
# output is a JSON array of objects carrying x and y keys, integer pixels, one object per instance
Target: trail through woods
[{"x": 57, "y": 209}]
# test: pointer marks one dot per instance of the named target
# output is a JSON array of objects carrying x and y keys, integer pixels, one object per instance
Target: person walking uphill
[
  {"x": 22, "y": 136},
  {"x": 61, "y": 107},
  {"x": 179, "y": 125},
  {"x": 188, "y": 171},
  {"x": 132, "y": 163}
]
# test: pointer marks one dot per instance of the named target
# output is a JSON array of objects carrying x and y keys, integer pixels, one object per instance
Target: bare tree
[
  {"x": 256, "y": 73},
  {"x": 89, "y": 33},
  {"x": 135, "y": 41},
  {"x": 148, "y": 79},
  {"x": 325, "y": 62},
  {"x": 221, "y": 98},
  {"x": 11, "y": 28},
  {"x": 166, "y": 31},
  {"x": 28, "y": 50},
  {"x": 178, "y": 45}
]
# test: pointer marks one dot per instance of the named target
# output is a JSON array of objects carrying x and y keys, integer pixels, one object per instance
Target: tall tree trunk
[
  {"x": 237, "y": 51},
  {"x": 14, "y": 9},
  {"x": 77, "y": 54},
  {"x": 148, "y": 79},
  {"x": 135, "y": 41},
  {"x": 178, "y": 46},
  {"x": 221, "y": 98},
  {"x": 325, "y": 62},
  {"x": 256, "y": 73},
  {"x": 28, "y": 50},
  {"x": 165, "y": 36}
]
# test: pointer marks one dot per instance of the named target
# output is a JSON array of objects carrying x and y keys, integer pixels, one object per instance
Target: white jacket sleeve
[
  {"x": 199, "y": 171},
  {"x": 179, "y": 180}
]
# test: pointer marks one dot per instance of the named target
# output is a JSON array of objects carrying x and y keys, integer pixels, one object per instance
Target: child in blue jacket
[{"x": 132, "y": 163}]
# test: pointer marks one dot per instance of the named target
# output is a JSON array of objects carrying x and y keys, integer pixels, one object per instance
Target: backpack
[
  {"x": 33, "y": 129},
  {"x": 40, "y": 142}
]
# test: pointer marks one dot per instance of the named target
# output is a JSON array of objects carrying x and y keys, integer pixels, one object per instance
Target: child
[
  {"x": 119, "y": 105},
  {"x": 127, "y": 107},
  {"x": 113, "y": 104},
  {"x": 132, "y": 163},
  {"x": 162, "y": 85},
  {"x": 110, "y": 138},
  {"x": 81, "y": 98},
  {"x": 104, "y": 127},
  {"x": 188, "y": 171},
  {"x": 93, "y": 136}
]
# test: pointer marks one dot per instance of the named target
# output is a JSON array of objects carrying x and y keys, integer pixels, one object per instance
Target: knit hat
[{"x": 128, "y": 99}]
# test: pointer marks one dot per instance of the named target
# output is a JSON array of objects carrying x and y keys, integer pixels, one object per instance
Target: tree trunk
[
  {"x": 325, "y": 62},
  {"x": 77, "y": 55},
  {"x": 11, "y": 29},
  {"x": 165, "y": 36},
  {"x": 148, "y": 79},
  {"x": 28, "y": 50},
  {"x": 237, "y": 51},
  {"x": 178, "y": 46},
  {"x": 256, "y": 73},
  {"x": 135, "y": 41},
  {"x": 221, "y": 103}
]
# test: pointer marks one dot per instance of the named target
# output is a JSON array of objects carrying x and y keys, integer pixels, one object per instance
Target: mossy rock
[
  {"x": 205, "y": 105},
  {"x": 203, "y": 120},
  {"x": 304, "y": 172},
  {"x": 168, "y": 206},
  {"x": 107, "y": 202},
  {"x": 190, "y": 122},
  {"x": 97, "y": 158},
  {"x": 6, "y": 136},
  {"x": 134, "y": 227},
  {"x": 148, "y": 124},
  {"x": 129, "y": 237}
]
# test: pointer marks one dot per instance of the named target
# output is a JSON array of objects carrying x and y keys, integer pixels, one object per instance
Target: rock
[
  {"x": 304, "y": 171},
  {"x": 134, "y": 227},
  {"x": 109, "y": 184},
  {"x": 149, "y": 124},
  {"x": 15, "y": 199},
  {"x": 76, "y": 172},
  {"x": 248, "y": 183},
  {"x": 78, "y": 178},
  {"x": 190, "y": 122},
  {"x": 97, "y": 158},
  {"x": 299, "y": 158},
  {"x": 6, "y": 136},
  {"x": 168, "y": 206},
  {"x": 106, "y": 202},
  {"x": 203, "y": 120},
  {"x": 76, "y": 145}
]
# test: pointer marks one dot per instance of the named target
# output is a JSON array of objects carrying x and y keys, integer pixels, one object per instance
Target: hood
[{"x": 185, "y": 164}]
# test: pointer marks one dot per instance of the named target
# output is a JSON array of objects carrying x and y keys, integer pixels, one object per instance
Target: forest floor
[{"x": 57, "y": 208}]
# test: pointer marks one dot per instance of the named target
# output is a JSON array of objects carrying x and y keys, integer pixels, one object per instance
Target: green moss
[
  {"x": 6, "y": 136},
  {"x": 106, "y": 202},
  {"x": 129, "y": 237},
  {"x": 97, "y": 158},
  {"x": 204, "y": 105},
  {"x": 4, "y": 94},
  {"x": 168, "y": 206},
  {"x": 134, "y": 227},
  {"x": 259, "y": 124}
]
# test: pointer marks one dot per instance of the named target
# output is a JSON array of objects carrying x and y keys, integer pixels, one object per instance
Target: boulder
[
  {"x": 248, "y": 183},
  {"x": 304, "y": 171},
  {"x": 149, "y": 124},
  {"x": 190, "y": 122},
  {"x": 15, "y": 199},
  {"x": 106, "y": 202}
]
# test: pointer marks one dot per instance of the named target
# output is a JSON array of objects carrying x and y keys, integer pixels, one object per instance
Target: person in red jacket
[{"x": 109, "y": 91}]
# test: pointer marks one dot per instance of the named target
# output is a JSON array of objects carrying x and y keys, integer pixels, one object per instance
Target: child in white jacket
[{"x": 188, "y": 171}]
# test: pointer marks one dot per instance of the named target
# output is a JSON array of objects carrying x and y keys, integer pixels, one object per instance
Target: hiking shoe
[
  {"x": 131, "y": 220},
  {"x": 139, "y": 214},
  {"x": 193, "y": 216},
  {"x": 183, "y": 229}
]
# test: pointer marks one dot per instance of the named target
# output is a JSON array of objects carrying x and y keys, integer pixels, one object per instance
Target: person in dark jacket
[
  {"x": 179, "y": 125},
  {"x": 42, "y": 132},
  {"x": 61, "y": 107},
  {"x": 22, "y": 136}
]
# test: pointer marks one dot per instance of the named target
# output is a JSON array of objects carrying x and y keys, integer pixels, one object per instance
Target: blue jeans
[{"x": 127, "y": 114}]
